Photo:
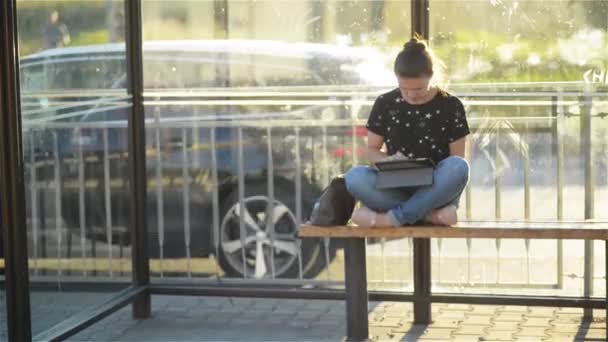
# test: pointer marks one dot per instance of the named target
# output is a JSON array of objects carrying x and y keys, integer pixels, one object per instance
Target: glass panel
[
  {"x": 530, "y": 73},
  {"x": 72, "y": 72},
  {"x": 270, "y": 98}
]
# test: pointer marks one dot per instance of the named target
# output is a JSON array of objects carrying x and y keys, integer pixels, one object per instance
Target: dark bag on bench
[{"x": 335, "y": 205}]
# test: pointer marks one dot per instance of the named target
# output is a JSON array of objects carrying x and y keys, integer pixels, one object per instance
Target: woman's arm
[
  {"x": 457, "y": 147},
  {"x": 374, "y": 144}
]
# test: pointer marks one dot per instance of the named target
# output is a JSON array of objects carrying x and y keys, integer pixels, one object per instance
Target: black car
[{"x": 199, "y": 147}]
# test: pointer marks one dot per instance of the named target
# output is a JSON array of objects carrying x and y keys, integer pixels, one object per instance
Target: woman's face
[{"x": 415, "y": 90}]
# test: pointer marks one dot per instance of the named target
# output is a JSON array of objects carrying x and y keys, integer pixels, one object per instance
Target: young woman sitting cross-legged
[{"x": 418, "y": 119}]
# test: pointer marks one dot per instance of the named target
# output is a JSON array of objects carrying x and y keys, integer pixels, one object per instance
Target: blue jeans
[{"x": 410, "y": 205}]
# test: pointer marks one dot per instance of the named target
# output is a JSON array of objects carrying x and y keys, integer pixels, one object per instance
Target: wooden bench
[{"x": 355, "y": 267}]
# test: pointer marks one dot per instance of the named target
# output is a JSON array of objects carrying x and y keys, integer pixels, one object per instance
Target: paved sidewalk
[
  {"x": 178, "y": 318},
  {"x": 242, "y": 319}
]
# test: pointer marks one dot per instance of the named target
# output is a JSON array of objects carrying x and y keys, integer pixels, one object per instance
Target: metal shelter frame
[{"x": 138, "y": 294}]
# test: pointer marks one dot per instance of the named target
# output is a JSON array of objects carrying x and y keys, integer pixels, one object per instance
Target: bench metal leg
[
  {"x": 356, "y": 290},
  {"x": 606, "y": 283},
  {"x": 422, "y": 281}
]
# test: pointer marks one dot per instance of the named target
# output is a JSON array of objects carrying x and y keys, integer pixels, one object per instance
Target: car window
[
  {"x": 266, "y": 70},
  {"x": 83, "y": 73},
  {"x": 178, "y": 72},
  {"x": 32, "y": 78}
]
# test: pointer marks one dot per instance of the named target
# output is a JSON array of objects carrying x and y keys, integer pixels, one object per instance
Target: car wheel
[{"x": 254, "y": 254}]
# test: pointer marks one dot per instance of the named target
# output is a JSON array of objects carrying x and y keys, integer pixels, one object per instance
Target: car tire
[{"x": 286, "y": 264}]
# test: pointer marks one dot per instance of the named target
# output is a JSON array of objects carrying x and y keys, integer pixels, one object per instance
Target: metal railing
[{"x": 349, "y": 113}]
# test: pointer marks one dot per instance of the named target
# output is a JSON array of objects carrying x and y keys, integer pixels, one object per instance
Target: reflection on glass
[
  {"x": 251, "y": 107},
  {"x": 72, "y": 69},
  {"x": 530, "y": 74}
]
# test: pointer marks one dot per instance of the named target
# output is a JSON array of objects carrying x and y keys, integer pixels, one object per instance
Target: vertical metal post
[
  {"x": 558, "y": 152},
  {"x": 271, "y": 201},
  {"x": 497, "y": 176},
  {"x": 81, "y": 202},
  {"x": 586, "y": 152},
  {"x": 299, "y": 197},
  {"x": 186, "y": 198},
  {"x": 241, "y": 205},
  {"x": 137, "y": 157},
  {"x": 12, "y": 197},
  {"x": 497, "y": 197},
  {"x": 58, "y": 209},
  {"x": 422, "y": 247},
  {"x": 215, "y": 203},
  {"x": 108, "y": 200},
  {"x": 160, "y": 204},
  {"x": 355, "y": 274},
  {"x": 526, "y": 155}
]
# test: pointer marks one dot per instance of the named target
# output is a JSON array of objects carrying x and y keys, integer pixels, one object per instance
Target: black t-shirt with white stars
[{"x": 418, "y": 130}]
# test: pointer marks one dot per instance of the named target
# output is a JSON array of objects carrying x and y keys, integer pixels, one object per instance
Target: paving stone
[
  {"x": 402, "y": 306},
  {"x": 498, "y": 335},
  {"x": 508, "y": 317},
  {"x": 445, "y": 323},
  {"x": 276, "y": 320},
  {"x": 307, "y": 315},
  {"x": 388, "y": 322},
  {"x": 383, "y": 334},
  {"x": 327, "y": 324},
  {"x": 269, "y": 305},
  {"x": 438, "y": 334},
  {"x": 536, "y": 322},
  {"x": 528, "y": 339},
  {"x": 578, "y": 311},
  {"x": 484, "y": 310},
  {"x": 505, "y": 325},
  {"x": 541, "y": 312},
  {"x": 470, "y": 330},
  {"x": 477, "y": 319},
  {"x": 564, "y": 327},
  {"x": 451, "y": 315},
  {"x": 230, "y": 309},
  {"x": 530, "y": 331},
  {"x": 237, "y": 322},
  {"x": 557, "y": 336},
  {"x": 567, "y": 318},
  {"x": 595, "y": 334},
  {"x": 458, "y": 307},
  {"x": 597, "y": 324},
  {"x": 407, "y": 328},
  {"x": 514, "y": 308},
  {"x": 212, "y": 301},
  {"x": 466, "y": 338},
  {"x": 298, "y": 324}
]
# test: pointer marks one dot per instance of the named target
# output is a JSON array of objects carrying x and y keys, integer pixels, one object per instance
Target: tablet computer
[
  {"x": 404, "y": 164},
  {"x": 404, "y": 173}
]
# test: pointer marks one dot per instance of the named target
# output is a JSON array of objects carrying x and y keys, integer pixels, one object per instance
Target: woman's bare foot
[
  {"x": 445, "y": 216},
  {"x": 365, "y": 217}
]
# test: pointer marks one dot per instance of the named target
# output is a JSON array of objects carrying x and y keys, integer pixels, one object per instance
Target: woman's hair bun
[{"x": 415, "y": 44}]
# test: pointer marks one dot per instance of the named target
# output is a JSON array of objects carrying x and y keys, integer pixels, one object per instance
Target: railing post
[
  {"x": 558, "y": 152},
  {"x": 586, "y": 152}
]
